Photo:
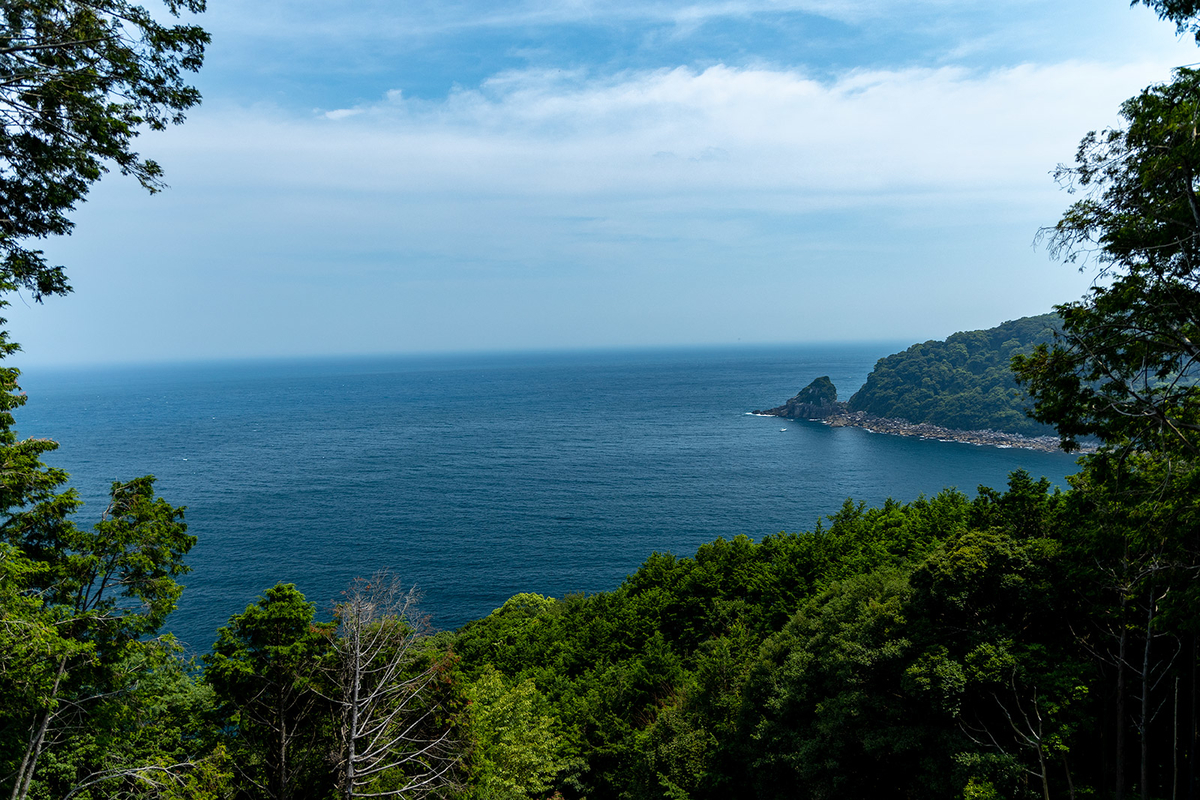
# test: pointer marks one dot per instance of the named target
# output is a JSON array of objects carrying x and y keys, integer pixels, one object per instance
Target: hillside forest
[
  {"x": 965, "y": 382},
  {"x": 1022, "y": 643}
]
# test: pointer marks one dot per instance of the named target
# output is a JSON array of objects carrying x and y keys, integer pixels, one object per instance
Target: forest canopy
[{"x": 964, "y": 382}]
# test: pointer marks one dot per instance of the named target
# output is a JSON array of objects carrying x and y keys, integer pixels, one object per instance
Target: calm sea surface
[{"x": 479, "y": 477}]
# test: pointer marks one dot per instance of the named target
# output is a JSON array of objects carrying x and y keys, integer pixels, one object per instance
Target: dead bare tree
[
  {"x": 393, "y": 741},
  {"x": 1029, "y": 725}
]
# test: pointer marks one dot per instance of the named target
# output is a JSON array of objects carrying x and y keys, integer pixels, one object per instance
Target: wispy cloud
[
  {"x": 337, "y": 20},
  {"x": 366, "y": 19},
  {"x": 778, "y": 132}
]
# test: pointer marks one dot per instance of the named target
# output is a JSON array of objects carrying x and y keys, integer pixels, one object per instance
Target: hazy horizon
[{"x": 340, "y": 360}]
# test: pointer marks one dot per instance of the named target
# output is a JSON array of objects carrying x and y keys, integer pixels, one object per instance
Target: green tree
[
  {"x": 824, "y": 716},
  {"x": 1126, "y": 366},
  {"x": 1134, "y": 549},
  {"x": 78, "y": 608},
  {"x": 265, "y": 668},
  {"x": 997, "y": 653},
  {"x": 78, "y": 82},
  {"x": 154, "y": 740},
  {"x": 1182, "y": 12},
  {"x": 647, "y": 680},
  {"x": 964, "y": 382},
  {"x": 1126, "y": 369},
  {"x": 520, "y": 747}
]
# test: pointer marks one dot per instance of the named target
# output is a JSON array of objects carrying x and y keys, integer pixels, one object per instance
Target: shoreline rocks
[
  {"x": 925, "y": 430},
  {"x": 818, "y": 402}
]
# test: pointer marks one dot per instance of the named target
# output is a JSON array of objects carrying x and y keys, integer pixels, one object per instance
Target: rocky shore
[
  {"x": 923, "y": 430},
  {"x": 817, "y": 402}
]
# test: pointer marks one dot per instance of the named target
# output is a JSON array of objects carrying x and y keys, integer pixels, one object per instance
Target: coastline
[{"x": 925, "y": 430}]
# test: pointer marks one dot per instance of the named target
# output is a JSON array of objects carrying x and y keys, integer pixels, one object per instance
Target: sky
[{"x": 372, "y": 176}]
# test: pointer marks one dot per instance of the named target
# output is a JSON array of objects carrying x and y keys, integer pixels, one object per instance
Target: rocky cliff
[{"x": 818, "y": 400}]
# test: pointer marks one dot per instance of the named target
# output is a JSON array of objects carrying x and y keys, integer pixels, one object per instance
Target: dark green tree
[
  {"x": 964, "y": 382},
  {"x": 80, "y": 608},
  {"x": 824, "y": 716},
  {"x": 266, "y": 669},
  {"x": 77, "y": 606},
  {"x": 1126, "y": 370},
  {"x": 1126, "y": 366},
  {"x": 1182, "y": 12},
  {"x": 78, "y": 82}
]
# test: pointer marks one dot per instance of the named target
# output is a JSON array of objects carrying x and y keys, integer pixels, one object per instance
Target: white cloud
[
  {"x": 341, "y": 113},
  {"x": 545, "y": 207},
  {"x": 777, "y": 133}
]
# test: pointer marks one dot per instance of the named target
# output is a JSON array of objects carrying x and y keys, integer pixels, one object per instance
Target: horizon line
[{"x": 426, "y": 355}]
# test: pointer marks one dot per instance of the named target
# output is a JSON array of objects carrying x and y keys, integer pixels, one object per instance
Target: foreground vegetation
[
  {"x": 930, "y": 649},
  {"x": 1022, "y": 643}
]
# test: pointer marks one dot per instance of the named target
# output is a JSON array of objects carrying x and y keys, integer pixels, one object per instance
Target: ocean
[{"x": 477, "y": 477}]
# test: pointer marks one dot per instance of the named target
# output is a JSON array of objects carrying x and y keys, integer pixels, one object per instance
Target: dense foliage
[
  {"x": 1001, "y": 646},
  {"x": 930, "y": 649},
  {"x": 94, "y": 703},
  {"x": 1126, "y": 365},
  {"x": 1183, "y": 13},
  {"x": 964, "y": 382}
]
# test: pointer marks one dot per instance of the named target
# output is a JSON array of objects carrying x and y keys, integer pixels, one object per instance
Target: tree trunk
[
  {"x": 1119, "y": 793},
  {"x": 352, "y": 738},
  {"x": 34, "y": 749},
  {"x": 1070, "y": 782},
  {"x": 282, "y": 777},
  {"x": 1175, "y": 745},
  {"x": 1144, "y": 774},
  {"x": 1192, "y": 727},
  {"x": 1045, "y": 778}
]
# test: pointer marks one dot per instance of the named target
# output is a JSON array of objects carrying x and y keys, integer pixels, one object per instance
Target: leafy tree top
[
  {"x": 78, "y": 82},
  {"x": 1126, "y": 366},
  {"x": 1182, "y": 12}
]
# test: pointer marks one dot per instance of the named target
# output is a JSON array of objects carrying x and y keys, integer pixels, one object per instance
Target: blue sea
[{"x": 477, "y": 477}]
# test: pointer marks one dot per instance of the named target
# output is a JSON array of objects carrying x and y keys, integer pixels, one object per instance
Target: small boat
[{"x": 781, "y": 430}]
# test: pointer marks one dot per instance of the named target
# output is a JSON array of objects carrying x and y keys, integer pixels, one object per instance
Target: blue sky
[{"x": 379, "y": 177}]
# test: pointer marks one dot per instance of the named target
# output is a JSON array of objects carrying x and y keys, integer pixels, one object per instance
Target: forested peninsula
[{"x": 961, "y": 389}]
